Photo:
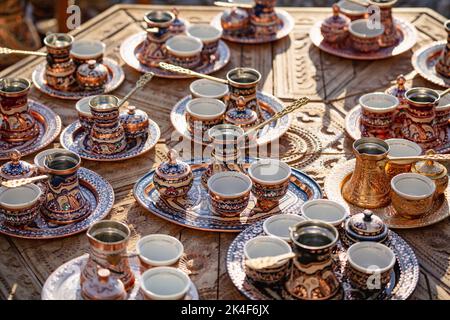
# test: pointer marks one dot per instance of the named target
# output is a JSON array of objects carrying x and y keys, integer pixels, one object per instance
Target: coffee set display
[
  {"x": 253, "y": 22},
  {"x": 432, "y": 61},
  {"x": 109, "y": 272},
  {"x": 26, "y": 125},
  {"x": 74, "y": 69},
  {"x": 351, "y": 33},
  {"x": 169, "y": 39}
]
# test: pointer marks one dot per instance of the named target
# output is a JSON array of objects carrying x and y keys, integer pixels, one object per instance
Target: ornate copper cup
[
  {"x": 389, "y": 37},
  {"x": 369, "y": 186},
  {"x": 243, "y": 82},
  {"x": 108, "y": 249},
  {"x": 443, "y": 65},
  {"x": 263, "y": 18},
  {"x": 17, "y": 125}
]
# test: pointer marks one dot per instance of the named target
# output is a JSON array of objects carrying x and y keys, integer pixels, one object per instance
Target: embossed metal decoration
[
  {"x": 75, "y": 139},
  {"x": 96, "y": 190},
  {"x": 115, "y": 78},
  {"x": 130, "y": 46},
  {"x": 49, "y": 125},
  {"x": 285, "y": 27},
  {"x": 342, "y": 172},
  {"x": 354, "y": 129},
  {"x": 424, "y": 62},
  {"x": 64, "y": 282},
  {"x": 194, "y": 210},
  {"x": 407, "y": 37},
  {"x": 403, "y": 280},
  {"x": 268, "y": 104}
]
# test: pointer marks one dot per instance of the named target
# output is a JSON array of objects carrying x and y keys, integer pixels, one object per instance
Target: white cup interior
[
  {"x": 413, "y": 186},
  {"x": 206, "y": 108},
  {"x": 278, "y": 225},
  {"x": 378, "y": 102},
  {"x": 403, "y": 148},
  {"x": 324, "y": 210},
  {"x": 229, "y": 184},
  {"x": 351, "y": 8},
  {"x": 265, "y": 246},
  {"x": 184, "y": 45},
  {"x": 269, "y": 171},
  {"x": 16, "y": 198},
  {"x": 362, "y": 28},
  {"x": 165, "y": 283},
  {"x": 87, "y": 48},
  {"x": 204, "y": 32},
  {"x": 371, "y": 256},
  {"x": 160, "y": 249},
  {"x": 208, "y": 89}
]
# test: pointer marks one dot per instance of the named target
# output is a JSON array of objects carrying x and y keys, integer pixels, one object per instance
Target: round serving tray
[
  {"x": 341, "y": 173},
  {"x": 64, "y": 282},
  {"x": 115, "y": 79},
  {"x": 424, "y": 61},
  {"x": 193, "y": 211},
  {"x": 96, "y": 190},
  {"x": 404, "y": 278},
  {"x": 407, "y": 39},
  {"x": 128, "y": 54},
  {"x": 287, "y": 25},
  {"x": 49, "y": 128},
  {"x": 74, "y": 138},
  {"x": 268, "y": 105}
]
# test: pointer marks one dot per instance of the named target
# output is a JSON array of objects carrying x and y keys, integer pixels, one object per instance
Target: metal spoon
[
  {"x": 4, "y": 50},
  {"x": 21, "y": 182},
  {"x": 234, "y": 4},
  {"x": 143, "y": 80},
  {"x": 181, "y": 70},
  {"x": 267, "y": 262}
]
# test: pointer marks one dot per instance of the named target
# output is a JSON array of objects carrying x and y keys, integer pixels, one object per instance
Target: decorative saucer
[
  {"x": 131, "y": 44},
  {"x": 404, "y": 278},
  {"x": 268, "y": 105},
  {"x": 115, "y": 79},
  {"x": 424, "y": 61},
  {"x": 97, "y": 191},
  {"x": 74, "y": 138},
  {"x": 49, "y": 128},
  {"x": 286, "y": 28},
  {"x": 407, "y": 39},
  {"x": 64, "y": 282},
  {"x": 341, "y": 173},
  {"x": 353, "y": 128},
  {"x": 194, "y": 211}
]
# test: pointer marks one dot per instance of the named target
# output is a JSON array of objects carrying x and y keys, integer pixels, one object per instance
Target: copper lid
[
  {"x": 103, "y": 287},
  {"x": 173, "y": 169},
  {"x": 336, "y": 22},
  {"x": 16, "y": 168},
  {"x": 429, "y": 168},
  {"x": 366, "y": 224},
  {"x": 92, "y": 73}
]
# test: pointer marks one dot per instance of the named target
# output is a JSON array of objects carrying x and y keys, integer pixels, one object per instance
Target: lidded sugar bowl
[
  {"x": 173, "y": 178},
  {"x": 103, "y": 287},
  {"x": 365, "y": 226},
  {"x": 433, "y": 170},
  {"x": 16, "y": 168},
  {"x": 235, "y": 21},
  {"x": 335, "y": 28},
  {"x": 92, "y": 75},
  {"x": 134, "y": 122}
]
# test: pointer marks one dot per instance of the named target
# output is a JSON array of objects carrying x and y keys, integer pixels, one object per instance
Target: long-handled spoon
[
  {"x": 143, "y": 80},
  {"x": 181, "y": 70},
  {"x": 4, "y": 50},
  {"x": 267, "y": 262},
  {"x": 234, "y": 4},
  {"x": 444, "y": 93},
  {"x": 21, "y": 182}
]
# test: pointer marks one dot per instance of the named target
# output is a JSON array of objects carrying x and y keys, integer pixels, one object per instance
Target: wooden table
[{"x": 291, "y": 68}]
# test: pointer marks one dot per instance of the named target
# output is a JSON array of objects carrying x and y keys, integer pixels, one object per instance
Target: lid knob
[
  {"x": 131, "y": 109},
  {"x": 103, "y": 275},
  {"x": 401, "y": 80},
  {"x": 176, "y": 12},
  {"x": 367, "y": 215},
  {"x": 173, "y": 156},
  {"x": 335, "y": 10},
  {"x": 15, "y": 156},
  {"x": 241, "y": 103},
  {"x": 429, "y": 153},
  {"x": 91, "y": 64}
]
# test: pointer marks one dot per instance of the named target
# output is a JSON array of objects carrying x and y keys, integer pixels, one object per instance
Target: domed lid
[
  {"x": 336, "y": 22},
  {"x": 241, "y": 116},
  {"x": 399, "y": 89},
  {"x": 234, "y": 15},
  {"x": 178, "y": 25},
  {"x": 103, "y": 287},
  {"x": 133, "y": 116},
  {"x": 16, "y": 168},
  {"x": 173, "y": 169},
  {"x": 431, "y": 169},
  {"x": 366, "y": 224},
  {"x": 92, "y": 69}
]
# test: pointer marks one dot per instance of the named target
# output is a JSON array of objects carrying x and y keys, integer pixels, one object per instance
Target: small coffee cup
[
  {"x": 324, "y": 210},
  {"x": 401, "y": 148},
  {"x": 369, "y": 265},
  {"x": 84, "y": 113},
  {"x": 378, "y": 111},
  {"x": 204, "y": 113},
  {"x": 159, "y": 250},
  {"x": 363, "y": 37},
  {"x": 270, "y": 179},
  {"x": 84, "y": 50},
  {"x": 412, "y": 194},
  {"x": 164, "y": 283},
  {"x": 208, "y": 35},
  {"x": 267, "y": 246},
  {"x": 352, "y": 10},
  {"x": 20, "y": 206},
  {"x": 184, "y": 51},
  {"x": 229, "y": 192},
  {"x": 204, "y": 88},
  {"x": 278, "y": 225}
]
